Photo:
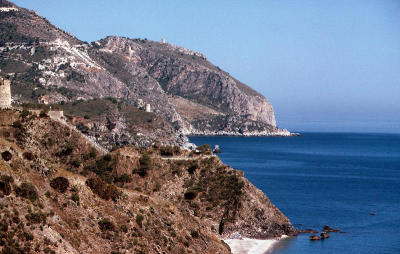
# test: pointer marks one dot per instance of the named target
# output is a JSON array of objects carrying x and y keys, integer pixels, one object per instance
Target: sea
[{"x": 348, "y": 181}]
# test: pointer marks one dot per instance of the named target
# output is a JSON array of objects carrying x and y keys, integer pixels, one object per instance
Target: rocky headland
[{"x": 186, "y": 92}]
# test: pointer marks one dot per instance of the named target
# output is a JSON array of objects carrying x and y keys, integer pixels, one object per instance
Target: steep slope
[
  {"x": 48, "y": 65},
  {"x": 60, "y": 194}
]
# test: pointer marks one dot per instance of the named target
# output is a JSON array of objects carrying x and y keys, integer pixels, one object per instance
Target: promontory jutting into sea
[{"x": 132, "y": 145}]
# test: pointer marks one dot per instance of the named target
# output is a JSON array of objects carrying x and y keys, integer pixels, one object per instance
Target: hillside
[
  {"x": 48, "y": 65},
  {"x": 60, "y": 195}
]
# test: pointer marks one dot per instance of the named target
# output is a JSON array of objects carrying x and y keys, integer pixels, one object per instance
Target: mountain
[
  {"x": 187, "y": 94},
  {"x": 60, "y": 194}
]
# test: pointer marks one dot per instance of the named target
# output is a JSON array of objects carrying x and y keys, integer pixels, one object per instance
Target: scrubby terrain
[{"x": 61, "y": 195}]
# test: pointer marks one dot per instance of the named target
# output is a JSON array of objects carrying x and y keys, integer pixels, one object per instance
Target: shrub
[
  {"x": 204, "y": 149},
  {"x": 24, "y": 114},
  {"x": 75, "y": 198},
  {"x": 83, "y": 128},
  {"x": 106, "y": 225},
  {"x": 104, "y": 165},
  {"x": 194, "y": 234},
  {"x": 7, "y": 179},
  {"x": 124, "y": 178},
  {"x": 102, "y": 189},
  {"x": 60, "y": 184},
  {"x": 27, "y": 190},
  {"x": 167, "y": 151},
  {"x": 139, "y": 220},
  {"x": 36, "y": 218},
  {"x": 17, "y": 124},
  {"x": 107, "y": 157},
  {"x": 6, "y": 155},
  {"x": 92, "y": 153},
  {"x": 145, "y": 165},
  {"x": 190, "y": 194},
  {"x": 43, "y": 113},
  {"x": 68, "y": 149},
  {"x": 28, "y": 156},
  {"x": 76, "y": 163},
  {"x": 5, "y": 188},
  {"x": 192, "y": 167}
]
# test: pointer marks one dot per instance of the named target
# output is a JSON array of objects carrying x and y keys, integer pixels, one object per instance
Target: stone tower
[
  {"x": 5, "y": 93},
  {"x": 147, "y": 108}
]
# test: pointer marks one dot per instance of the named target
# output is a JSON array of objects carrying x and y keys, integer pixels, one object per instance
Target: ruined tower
[
  {"x": 5, "y": 93},
  {"x": 147, "y": 108}
]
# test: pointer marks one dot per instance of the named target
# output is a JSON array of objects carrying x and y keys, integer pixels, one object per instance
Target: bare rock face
[{"x": 192, "y": 77}]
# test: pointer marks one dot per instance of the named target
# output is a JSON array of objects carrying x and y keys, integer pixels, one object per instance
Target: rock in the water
[
  {"x": 315, "y": 238},
  {"x": 329, "y": 229},
  {"x": 308, "y": 230},
  {"x": 324, "y": 235},
  {"x": 217, "y": 149}
]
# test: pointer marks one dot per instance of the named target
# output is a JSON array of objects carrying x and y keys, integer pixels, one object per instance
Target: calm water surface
[{"x": 322, "y": 179}]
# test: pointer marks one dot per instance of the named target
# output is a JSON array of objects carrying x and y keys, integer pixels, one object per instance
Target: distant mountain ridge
[{"x": 193, "y": 96}]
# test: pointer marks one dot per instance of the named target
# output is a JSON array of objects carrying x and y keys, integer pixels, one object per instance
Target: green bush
[
  {"x": 17, "y": 124},
  {"x": 76, "y": 163},
  {"x": 204, "y": 149},
  {"x": 139, "y": 219},
  {"x": 75, "y": 198},
  {"x": 194, "y": 234},
  {"x": 28, "y": 156},
  {"x": 27, "y": 190},
  {"x": 36, "y": 218},
  {"x": 5, "y": 188},
  {"x": 68, "y": 149},
  {"x": 192, "y": 167},
  {"x": 60, "y": 184},
  {"x": 145, "y": 165},
  {"x": 106, "y": 225},
  {"x": 124, "y": 178},
  {"x": 6, "y": 155},
  {"x": 102, "y": 189},
  {"x": 190, "y": 194},
  {"x": 167, "y": 151}
]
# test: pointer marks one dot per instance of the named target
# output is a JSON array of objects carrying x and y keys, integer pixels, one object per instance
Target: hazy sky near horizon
[{"x": 325, "y": 65}]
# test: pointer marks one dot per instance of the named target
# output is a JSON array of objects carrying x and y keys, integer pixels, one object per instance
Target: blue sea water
[{"x": 319, "y": 179}]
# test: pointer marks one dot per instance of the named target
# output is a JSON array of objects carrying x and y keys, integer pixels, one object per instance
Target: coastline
[
  {"x": 279, "y": 133},
  {"x": 252, "y": 246}
]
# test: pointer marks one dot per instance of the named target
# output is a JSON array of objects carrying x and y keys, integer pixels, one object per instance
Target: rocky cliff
[
  {"x": 192, "y": 95},
  {"x": 60, "y": 195}
]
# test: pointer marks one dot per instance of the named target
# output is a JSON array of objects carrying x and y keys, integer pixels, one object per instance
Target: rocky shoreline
[{"x": 279, "y": 133}]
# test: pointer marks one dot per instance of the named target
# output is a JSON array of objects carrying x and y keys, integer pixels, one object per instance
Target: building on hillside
[{"x": 5, "y": 93}]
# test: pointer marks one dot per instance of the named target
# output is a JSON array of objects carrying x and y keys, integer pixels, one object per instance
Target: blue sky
[{"x": 325, "y": 65}]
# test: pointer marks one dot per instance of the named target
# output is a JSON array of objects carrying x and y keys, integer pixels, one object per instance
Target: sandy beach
[{"x": 253, "y": 246}]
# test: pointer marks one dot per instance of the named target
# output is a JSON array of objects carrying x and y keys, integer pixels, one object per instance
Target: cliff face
[
  {"x": 188, "y": 74},
  {"x": 60, "y": 194},
  {"x": 50, "y": 65}
]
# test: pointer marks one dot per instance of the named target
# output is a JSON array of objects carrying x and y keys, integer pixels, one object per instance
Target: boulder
[
  {"x": 329, "y": 229},
  {"x": 308, "y": 230},
  {"x": 315, "y": 238},
  {"x": 324, "y": 235}
]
